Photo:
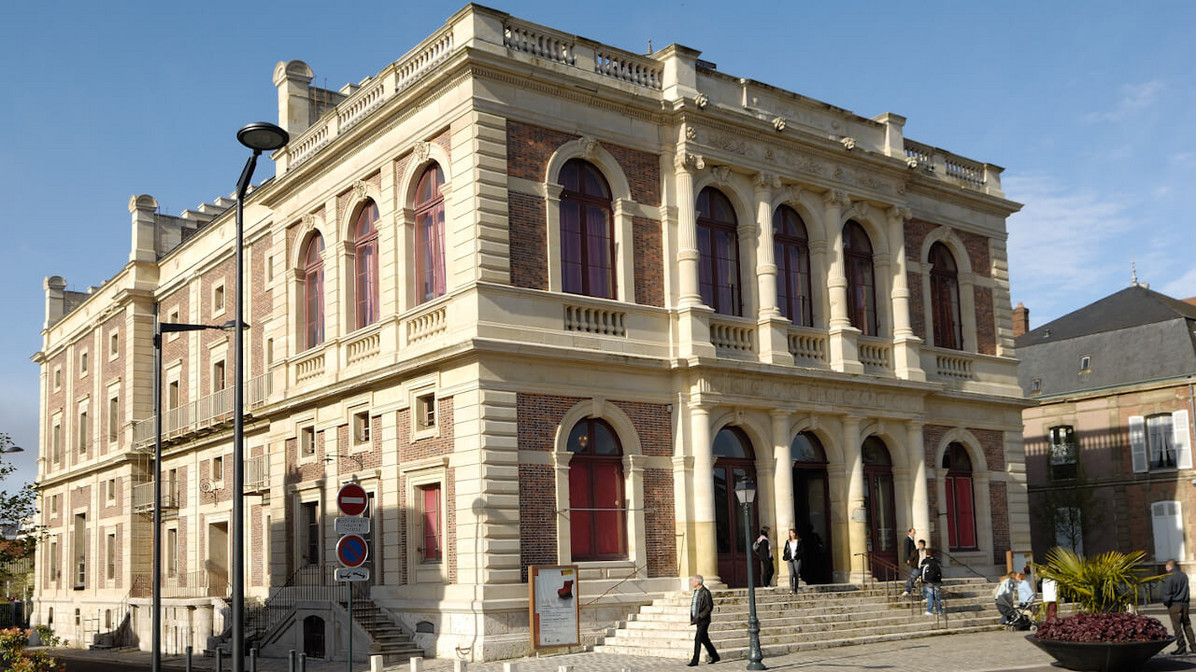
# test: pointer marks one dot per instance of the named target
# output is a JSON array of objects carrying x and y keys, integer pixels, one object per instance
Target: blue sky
[{"x": 1087, "y": 105}]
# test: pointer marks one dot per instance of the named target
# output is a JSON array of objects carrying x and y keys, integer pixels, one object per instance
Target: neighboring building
[
  {"x": 549, "y": 302},
  {"x": 1109, "y": 445}
]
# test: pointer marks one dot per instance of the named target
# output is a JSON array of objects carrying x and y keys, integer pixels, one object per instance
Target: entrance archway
[
  {"x": 811, "y": 508},
  {"x": 734, "y": 462},
  {"x": 878, "y": 502},
  {"x": 313, "y": 637}
]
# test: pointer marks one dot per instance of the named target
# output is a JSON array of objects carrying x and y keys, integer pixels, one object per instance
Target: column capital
[
  {"x": 763, "y": 181},
  {"x": 686, "y": 162}
]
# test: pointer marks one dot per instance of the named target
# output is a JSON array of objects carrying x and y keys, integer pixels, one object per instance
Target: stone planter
[{"x": 1100, "y": 656}]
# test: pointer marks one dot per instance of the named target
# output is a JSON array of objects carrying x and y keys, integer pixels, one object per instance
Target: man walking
[
  {"x": 914, "y": 553},
  {"x": 699, "y": 615},
  {"x": 1175, "y": 598},
  {"x": 932, "y": 583}
]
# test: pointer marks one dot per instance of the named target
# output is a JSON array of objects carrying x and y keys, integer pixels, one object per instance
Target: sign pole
[{"x": 349, "y": 592}]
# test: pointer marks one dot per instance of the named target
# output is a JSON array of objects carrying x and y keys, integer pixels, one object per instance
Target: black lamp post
[
  {"x": 156, "y": 582},
  {"x": 745, "y": 490},
  {"x": 261, "y": 137}
]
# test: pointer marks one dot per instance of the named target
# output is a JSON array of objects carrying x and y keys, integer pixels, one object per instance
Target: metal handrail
[
  {"x": 956, "y": 561},
  {"x": 635, "y": 571},
  {"x": 893, "y": 571}
]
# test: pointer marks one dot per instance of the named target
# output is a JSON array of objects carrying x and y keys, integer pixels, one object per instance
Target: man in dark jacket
[
  {"x": 913, "y": 559},
  {"x": 1175, "y": 598},
  {"x": 699, "y": 615}
]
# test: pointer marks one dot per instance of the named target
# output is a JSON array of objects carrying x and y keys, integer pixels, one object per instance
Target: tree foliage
[
  {"x": 1108, "y": 582},
  {"x": 17, "y": 511}
]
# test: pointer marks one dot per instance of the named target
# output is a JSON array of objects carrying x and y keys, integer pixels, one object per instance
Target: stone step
[{"x": 803, "y": 620}]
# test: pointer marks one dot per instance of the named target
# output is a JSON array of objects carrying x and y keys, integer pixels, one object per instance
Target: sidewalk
[{"x": 995, "y": 651}]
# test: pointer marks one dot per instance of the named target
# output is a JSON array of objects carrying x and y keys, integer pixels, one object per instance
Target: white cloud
[
  {"x": 1182, "y": 287},
  {"x": 1134, "y": 98}
]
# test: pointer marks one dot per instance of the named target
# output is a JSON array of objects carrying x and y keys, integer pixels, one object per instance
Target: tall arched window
[
  {"x": 944, "y": 298},
  {"x": 313, "y": 292},
  {"x": 861, "y": 283},
  {"x": 365, "y": 263},
  {"x": 961, "y": 513},
  {"x": 792, "y": 252},
  {"x": 587, "y": 238},
  {"x": 429, "y": 235},
  {"x": 718, "y": 247},
  {"x": 596, "y": 521}
]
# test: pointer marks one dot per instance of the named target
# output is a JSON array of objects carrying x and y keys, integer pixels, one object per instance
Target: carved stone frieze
[
  {"x": 729, "y": 143},
  {"x": 768, "y": 392},
  {"x": 691, "y": 133}
]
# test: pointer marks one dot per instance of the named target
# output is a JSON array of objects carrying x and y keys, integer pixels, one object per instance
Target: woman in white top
[{"x": 793, "y": 554}]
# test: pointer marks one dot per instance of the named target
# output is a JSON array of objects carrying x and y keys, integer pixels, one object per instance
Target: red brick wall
[
  {"x": 1000, "y": 518},
  {"x": 436, "y": 446},
  {"x": 109, "y": 510},
  {"x": 308, "y": 470},
  {"x": 649, "y": 262},
  {"x": 917, "y": 314},
  {"x": 977, "y": 247},
  {"x": 261, "y": 302},
  {"x": 537, "y": 516},
  {"x": 986, "y": 325},
  {"x": 223, "y": 272},
  {"x": 662, "y": 542},
  {"x": 992, "y": 443},
  {"x": 528, "y": 232},
  {"x": 174, "y": 346},
  {"x": 530, "y": 147},
  {"x": 113, "y": 369}
]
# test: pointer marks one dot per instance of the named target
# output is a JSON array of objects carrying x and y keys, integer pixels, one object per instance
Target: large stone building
[
  {"x": 1109, "y": 444},
  {"x": 549, "y": 302}
]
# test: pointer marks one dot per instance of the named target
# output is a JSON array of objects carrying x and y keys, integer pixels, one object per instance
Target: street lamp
[
  {"x": 261, "y": 137},
  {"x": 12, "y": 449},
  {"x": 156, "y": 582},
  {"x": 745, "y": 490}
]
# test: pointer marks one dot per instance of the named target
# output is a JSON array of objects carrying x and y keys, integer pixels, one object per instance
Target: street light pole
[
  {"x": 746, "y": 492},
  {"x": 259, "y": 136}
]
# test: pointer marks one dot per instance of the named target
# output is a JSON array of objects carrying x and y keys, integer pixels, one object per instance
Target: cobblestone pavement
[{"x": 995, "y": 651}]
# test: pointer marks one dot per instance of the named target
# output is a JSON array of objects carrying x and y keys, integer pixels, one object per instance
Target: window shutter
[
  {"x": 1167, "y": 524},
  {"x": 1138, "y": 443},
  {"x": 1183, "y": 441}
]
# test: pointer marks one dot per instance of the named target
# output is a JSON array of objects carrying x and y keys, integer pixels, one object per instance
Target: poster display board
[{"x": 553, "y": 607}]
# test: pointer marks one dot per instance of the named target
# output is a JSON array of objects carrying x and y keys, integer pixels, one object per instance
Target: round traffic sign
[
  {"x": 352, "y": 550},
  {"x": 351, "y": 499}
]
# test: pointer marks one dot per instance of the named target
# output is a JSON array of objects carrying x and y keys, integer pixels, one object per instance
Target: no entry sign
[
  {"x": 351, "y": 550},
  {"x": 351, "y": 499}
]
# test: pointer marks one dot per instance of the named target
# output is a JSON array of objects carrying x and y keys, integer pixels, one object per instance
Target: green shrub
[{"x": 1110, "y": 582}]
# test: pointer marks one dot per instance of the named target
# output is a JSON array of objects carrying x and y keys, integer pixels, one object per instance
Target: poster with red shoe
[{"x": 553, "y": 606}]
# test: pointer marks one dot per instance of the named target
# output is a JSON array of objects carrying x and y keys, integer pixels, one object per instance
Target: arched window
[
  {"x": 365, "y": 263},
  {"x": 718, "y": 247},
  {"x": 944, "y": 298},
  {"x": 861, "y": 283},
  {"x": 792, "y": 252},
  {"x": 587, "y": 239},
  {"x": 596, "y": 520},
  {"x": 313, "y": 292},
  {"x": 429, "y": 235},
  {"x": 961, "y": 514}
]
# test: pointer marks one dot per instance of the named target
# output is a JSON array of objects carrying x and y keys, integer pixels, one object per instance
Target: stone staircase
[
  {"x": 390, "y": 641},
  {"x": 816, "y": 617}
]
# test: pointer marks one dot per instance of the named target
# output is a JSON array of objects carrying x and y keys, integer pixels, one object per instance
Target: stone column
[
  {"x": 783, "y": 486},
  {"x": 940, "y": 516},
  {"x": 772, "y": 327},
  {"x": 693, "y": 318},
  {"x": 857, "y": 516},
  {"x": 919, "y": 502},
  {"x": 702, "y": 447},
  {"x": 907, "y": 362},
  {"x": 843, "y": 344},
  {"x": 564, "y": 537}
]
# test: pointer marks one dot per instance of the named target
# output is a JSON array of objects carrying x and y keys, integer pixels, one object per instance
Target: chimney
[
  {"x": 1021, "y": 320},
  {"x": 55, "y": 299},
  {"x": 144, "y": 210},
  {"x": 293, "y": 79}
]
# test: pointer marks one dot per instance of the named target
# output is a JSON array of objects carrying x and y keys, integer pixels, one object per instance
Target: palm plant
[{"x": 1107, "y": 583}]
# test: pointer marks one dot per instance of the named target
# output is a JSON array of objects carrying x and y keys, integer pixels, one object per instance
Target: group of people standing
[
  {"x": 923, "y": 563},
  {"x": 793, "y": 552}
]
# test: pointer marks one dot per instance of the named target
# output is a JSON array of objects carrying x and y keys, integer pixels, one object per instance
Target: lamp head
[
  {"x": 262, "y": 136},
  {"x": 745, "y": 491},
  {"x": 12, "y": 449}
]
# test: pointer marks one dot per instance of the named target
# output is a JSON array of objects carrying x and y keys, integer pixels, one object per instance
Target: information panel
[{"x": 553, "y": 606}]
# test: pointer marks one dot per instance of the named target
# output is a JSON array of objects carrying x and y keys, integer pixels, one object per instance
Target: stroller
[{"x": 1022, "y": 617}]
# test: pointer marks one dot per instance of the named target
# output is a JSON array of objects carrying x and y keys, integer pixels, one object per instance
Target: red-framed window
[
  {"x": 944, "y": 298},
  {"x": 365, "y": 263},
  {"x": 433, "y": 548},
  {"x": 791, "y": 249},
  {"x": 861, "y": 279},
  {"x": 429, "y": 235},
  {"x": 587, "y": 237},
  {"x": 597, "y": 523},
  {"x": 313, "y": 292},
  {"x": 961, "y": 511},
  {"x": 718, "y": 250}
]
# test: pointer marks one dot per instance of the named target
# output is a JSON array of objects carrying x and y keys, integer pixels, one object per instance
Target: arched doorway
[
  {"x": 811, "y": 508},
  {"x": 734, "y": 462},
  {"x": 878, "y": 502},
  {"x": 961, "y": 511},
  {"x": 313, "y": 637}
]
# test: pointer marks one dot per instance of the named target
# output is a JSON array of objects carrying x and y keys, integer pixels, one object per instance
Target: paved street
[{"x": 975, "y": 652}]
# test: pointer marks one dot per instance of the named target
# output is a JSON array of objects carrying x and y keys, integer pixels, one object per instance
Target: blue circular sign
[{"x": 352, "y": 550}]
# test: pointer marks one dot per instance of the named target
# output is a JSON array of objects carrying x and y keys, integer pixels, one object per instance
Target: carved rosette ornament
[
  {"x": 911, "y": 162},
  {"x": 421, "y": 151},
  {"x": 589, "y": 147},
  {"x": 691, "y": 133},
  {"x": 779, "y": 123},
  {"x": 848, "y": 143},
  {"x": 701, "y": 100}
]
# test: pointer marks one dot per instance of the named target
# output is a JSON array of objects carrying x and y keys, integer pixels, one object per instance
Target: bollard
[
  {"x": 253, "y": 659},
  {"x": 417, "y": 664},
  {"x": 290, "y": 661},
  {"x": 459, "y": 666},
  {"x": 375, "y": 663},
  {"x": 510, "y": 667},
  {"x": 303, "y": 662},
  {"x": 188, "y": 663},
  {"x": 219, "y": 660}
]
